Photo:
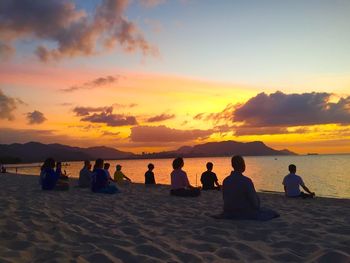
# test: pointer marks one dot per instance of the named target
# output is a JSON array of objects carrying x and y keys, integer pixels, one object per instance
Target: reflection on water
[{"x": 327, "y": 175}]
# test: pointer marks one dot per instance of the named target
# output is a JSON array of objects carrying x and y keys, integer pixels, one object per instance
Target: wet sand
[{"x": 146, "y": 224}]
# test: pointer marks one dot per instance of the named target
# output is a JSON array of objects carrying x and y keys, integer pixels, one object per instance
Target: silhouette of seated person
[
  {"x": 180, "y": 186},
  {"x": 85, "y": 175},
  {"x": 291, "y": 183},
  {"x": 209, "y": 180},
  {"x": 119, "y": 176},
  {"x": 149, "y": 175},
  {"x": 240, "y": 198},
  {"x": 100, "y": 182},
  {"x": 49, "y": 179},
  {"x": 62, "y": 175}
]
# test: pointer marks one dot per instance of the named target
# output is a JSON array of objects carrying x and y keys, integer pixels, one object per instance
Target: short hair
[
  {"x": 237, "y": 162},
  {"x": 209, "y": 165},
  {"x": 118, "y": 167},
  {"x": 150, "y": 166},
  {"x": 49, "y": 163},
  {"x": 107, "y": 165},
  {"x": 86, "y": 162},
  {"x": 59, "y": 163},
  {"x": 292, "y": 168},
  {"x": 178, "y": 163},
  {"x": 98, "y": 163}
]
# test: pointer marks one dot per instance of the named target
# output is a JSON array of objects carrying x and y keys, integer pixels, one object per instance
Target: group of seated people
[{"x": 240, "y": 198}]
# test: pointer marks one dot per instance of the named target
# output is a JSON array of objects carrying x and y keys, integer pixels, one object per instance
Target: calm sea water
[{"x": 327, "y": 175}]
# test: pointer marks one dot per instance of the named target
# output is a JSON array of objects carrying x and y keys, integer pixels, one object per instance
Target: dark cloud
[
  {"x": 111, "y": 119},
  {"x": 104, "y": 115},
  {"x": 161, "y": 117},
  {"x": 26, "y": 135},
  {"x": 165, "y": 134},
  {"x": 7, "y": 106},
  {"x": 287, "y": 110},
  {"x": 108, "y": 133},
  {"x": 85, "y": 111},
  {"x": 35, "y": 117},
  {"x": 241, "y": 131},
  {"x": 96, "y": 83},
  {"x": 223, "y": 116},
  {"x": 74, "y": 32}
]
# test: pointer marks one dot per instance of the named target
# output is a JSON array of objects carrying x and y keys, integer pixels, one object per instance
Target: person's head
[
  {"x": 59, "y": 164},
  {"x": 150, "y": 166},
  {"x": 87, "y": 163},
  {"x": 178, "y": 163},
  {"x": 98, "y": 163},
  {"x": 210, "y": 166},
  {"x": 118, "y": 167},
  {"x": 292, "y": 168},
  {"x": 106, "y": 166},
  {"x": 238, "y": 163},
  {"x": 48, "y": 164}
]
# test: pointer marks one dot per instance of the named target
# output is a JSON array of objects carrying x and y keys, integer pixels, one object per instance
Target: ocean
[{"x": 326, "y": 175}]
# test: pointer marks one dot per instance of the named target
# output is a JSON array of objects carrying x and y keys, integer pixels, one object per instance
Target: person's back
[
  {"x": 48, "y": 178},
  {"x": 85, "y": 176},
  {"x": 208, "y": 180},
  {"x": 240, "y": 198},
  {"x": 292, "y": 183},
  {"x": 99, "y": 180}
]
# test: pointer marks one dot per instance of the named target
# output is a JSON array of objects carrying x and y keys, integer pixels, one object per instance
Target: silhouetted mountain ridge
[{"x": 37, "y": 152}]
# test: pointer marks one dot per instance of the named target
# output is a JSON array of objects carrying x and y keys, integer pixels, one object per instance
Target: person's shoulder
[{"x": 299, "y": 177}]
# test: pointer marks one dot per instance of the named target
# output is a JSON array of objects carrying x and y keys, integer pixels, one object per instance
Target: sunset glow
[{"x": 182, "y": 73}]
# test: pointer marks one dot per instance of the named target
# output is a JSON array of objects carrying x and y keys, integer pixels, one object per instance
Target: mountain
[
  {"x": 38, "y": 152},
  {"x": 224, "y": 148}
]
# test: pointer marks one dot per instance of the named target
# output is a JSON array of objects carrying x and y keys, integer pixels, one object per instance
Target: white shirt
[{"x": 292, "y": 183}]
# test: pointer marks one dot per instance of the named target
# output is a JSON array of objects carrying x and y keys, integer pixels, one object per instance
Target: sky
[{"x": 155, "y": 75}]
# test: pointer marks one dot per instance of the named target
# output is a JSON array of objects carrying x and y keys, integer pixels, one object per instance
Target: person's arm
[
  {"x": 307, "y": 189},
  {"x": 252, "y": 195},
  {"x": 127, "y": 178},
  {"x": 216, "y": 180},
  {"x": 304, "y": 187},
  {"x": 285, "y": 189}
]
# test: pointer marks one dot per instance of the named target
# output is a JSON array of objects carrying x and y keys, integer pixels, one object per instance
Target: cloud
[
  {"x": 111, "y": 119},
  {"x": 242, "y": 130},
  {"x": 35, "y": 117},
  {"x": 161, "y": 117},
  {"x": 108, "y": 133},
  {"x": 96, "y": 83},
  {"x": 6, "y": 50},
  {"x": 85, "y": 111},
  {"x": 225, "y": 115},
  {"x": 73, "y": 32},
  {"x": 151, "y": 3},
  {"x": 288, "y": 110},
  {"x": 164, "y": 134},
  {"x": 7, "y": 106}
]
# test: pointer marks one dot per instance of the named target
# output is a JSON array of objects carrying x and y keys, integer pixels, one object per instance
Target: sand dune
[{"x": 145, "y": 224}]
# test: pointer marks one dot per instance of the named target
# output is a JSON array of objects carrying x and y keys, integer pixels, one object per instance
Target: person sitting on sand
[
  {"x": 240, "y": 198},
  {"x": 62, "y": 175},
  {"x": 106, "y": 168},
  {"x": 208, "y": 179},
  {"x": 180, "y": 186},
  {"x": 291, "y": 183},
  {"x": 149, "y": 175},
  {"x": 100, "y": 182},
  {"x": 49, "y": 179},
  {"x": 85, "y": 175},
  {"x": 119, "y": 176}
]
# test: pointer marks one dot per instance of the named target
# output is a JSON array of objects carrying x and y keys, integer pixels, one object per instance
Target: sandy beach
[{"x": 146, "y": 224}]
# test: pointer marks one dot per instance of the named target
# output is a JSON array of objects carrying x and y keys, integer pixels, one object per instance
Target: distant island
[{"x": 37, "y": 152}]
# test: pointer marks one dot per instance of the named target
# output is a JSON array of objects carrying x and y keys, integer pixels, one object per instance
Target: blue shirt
[
  {"x": 292, "y": 183},
  {"x": 240, "y": 197},
  {"x": 99, "y": 179},
  {"x": 48, "y": 179}
]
